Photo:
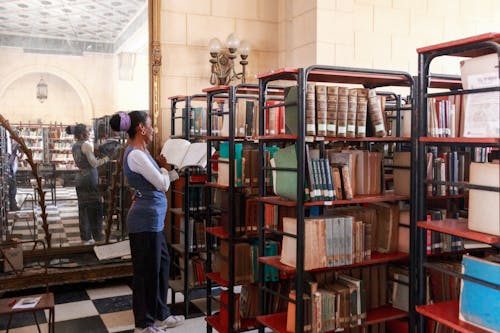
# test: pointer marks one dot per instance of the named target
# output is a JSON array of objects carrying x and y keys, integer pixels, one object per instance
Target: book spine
[
  {"x": 342, "y": 112},
  {"x": 352, "y": 105},
  {"x": 332, "y": 98},
  {"x": 361, "y": 112},
  {"x": 321, "y": 110},
  {"x": 375, "y": 113},
  {"x": 310, "y": 110}
]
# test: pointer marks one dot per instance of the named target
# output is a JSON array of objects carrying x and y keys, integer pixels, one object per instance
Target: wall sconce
[
  {"x": 222, "y": 71},
  {"x": 41, "y": 90}
]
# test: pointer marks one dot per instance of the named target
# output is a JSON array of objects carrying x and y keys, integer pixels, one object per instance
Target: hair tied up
[
  {"x": 70, "y": 129},
  {"x": 124, "y": 121}
]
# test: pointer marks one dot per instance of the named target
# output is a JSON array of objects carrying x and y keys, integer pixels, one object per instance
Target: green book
[{"x": 285, "y": 184}]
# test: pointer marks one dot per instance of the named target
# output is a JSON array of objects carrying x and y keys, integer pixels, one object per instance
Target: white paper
[
  {"x": 114, "y": 250},
  {"x": 174, "y": 151},
  {"x": 27, "y": 303}
]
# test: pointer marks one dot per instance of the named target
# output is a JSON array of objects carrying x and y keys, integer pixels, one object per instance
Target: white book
[{"x": 181, "y": 153}]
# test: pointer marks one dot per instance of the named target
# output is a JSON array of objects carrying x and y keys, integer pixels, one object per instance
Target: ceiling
[{"x": 63, "y": 26}]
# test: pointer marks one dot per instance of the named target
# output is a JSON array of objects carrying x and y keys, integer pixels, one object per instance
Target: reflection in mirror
[{"x": 62, "y": 63}]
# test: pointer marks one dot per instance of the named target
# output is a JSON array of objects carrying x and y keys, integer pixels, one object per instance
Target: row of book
[
  {"x": 195, "y": 271},
  {"x": 344, "y": 236}
]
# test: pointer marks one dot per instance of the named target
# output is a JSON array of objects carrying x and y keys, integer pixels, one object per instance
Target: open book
[{"x": 181, "y": 153}]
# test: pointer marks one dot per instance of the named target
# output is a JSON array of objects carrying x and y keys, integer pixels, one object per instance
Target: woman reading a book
[
  {"x": 90, "y": 211},
  {"x": 145, "y": 221}
]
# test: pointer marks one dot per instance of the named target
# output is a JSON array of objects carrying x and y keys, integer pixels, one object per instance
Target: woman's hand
[{"x": 162, "y": 161}]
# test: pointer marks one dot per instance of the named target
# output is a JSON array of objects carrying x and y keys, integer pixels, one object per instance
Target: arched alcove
[{"x": 68, "y": 99}]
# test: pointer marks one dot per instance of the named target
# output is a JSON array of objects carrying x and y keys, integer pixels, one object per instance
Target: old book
[
  {"x": 224, "y": 309},
  {"x": 285, "y": 182},
  {"x": 479, "y": 304},
  {"x": 332, "y": 99},
  {"x": 352, "y": 106},
  {"x": 249, "y": 116},
  {"x": 361, "y": 112},
  {"x": 310, "y": 109},
  {"x": 401, "y": 172},
  {"x": 181, "y": 153},
  {"x": 484, "y": 211},
  {"x": 387, "y": 226},
  {"x": 321, "y": 109},
  {"x": 481, "y": 117},
  {"x": 342, "y": 112},
  {"x": 375, "y": 113},
  {"x": 291, "y": 110}
]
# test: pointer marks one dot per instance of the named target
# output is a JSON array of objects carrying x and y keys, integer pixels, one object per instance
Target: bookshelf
[
  {"x": 187, "y": 214},
  {"x": 229, "y": 189},
  {"x": 424, "y": 140},
  {"x": 302, "y": 206}
]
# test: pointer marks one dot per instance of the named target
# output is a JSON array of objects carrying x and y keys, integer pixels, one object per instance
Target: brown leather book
[
  {"x": 321, "y": 110},
  {"x": 352, "y": 106},
  {"x": 310, "y": 110},
  {"x": 332, "y": 100},
  {"x": 375, "y": 112}
]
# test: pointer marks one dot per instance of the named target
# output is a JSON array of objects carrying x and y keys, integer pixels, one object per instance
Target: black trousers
[{"x": 151, "y": 263}]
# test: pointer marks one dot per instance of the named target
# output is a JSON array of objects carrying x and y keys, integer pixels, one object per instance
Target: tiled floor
[{"x": 98, "y": 308}]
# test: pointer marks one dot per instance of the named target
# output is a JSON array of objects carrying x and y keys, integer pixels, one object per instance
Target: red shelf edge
[
  {"x": 215, "y": 322},
  {"x": 446, "y": 313},
  {"x": 458, "y": 228},
  {"x": 277, "y": 321}
]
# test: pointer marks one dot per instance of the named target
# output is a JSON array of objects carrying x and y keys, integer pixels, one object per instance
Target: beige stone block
[
  {"x": 363, "y": 17},
  {"x": 300, "y": 7},
  {"x": 367, "y": 44},
  {"x": 303, "y": 29},
  {"x": 405, "y": 48},
  {"x": 344, "y": 5},
  {"x": 449, "y": 8},
  {"x": 268, "y": 61},
  {"x": 325, "y": 4},
  {"x": 325, "y": 54},
  {"x": 413, "y": 67},
  {"x": 446, "y": 65},
  {"x": 195, "y": 85},
  {"x": 477, "y": 8},
  {"x": 378, "y": 3},
  {"x": 282, "y": 59},
  {"x": 362, "y": 63},
  {"x": 185, "y": 61},
  {"x": 334, "y": 27},
  {"x": 241, "y": 9},
  {"x": 488, "y": 25},
  {"x": 200, "y": 29},
  {"x": 390, "y": 64},
  {"x": 427, "y": 26},
  {"x": 171, "y": 86},
  {"x": 269, "y": 10},
  {"x": 390, "y": 20},
  {"x": 201, "y": 7},
  {"x": 344, "y": 54},
  {"x": 303, "y": 56},
  {"x": 459, "y": 27},
  {"x": 261, "y": 35},
  {"x": 173, "y": 28}
]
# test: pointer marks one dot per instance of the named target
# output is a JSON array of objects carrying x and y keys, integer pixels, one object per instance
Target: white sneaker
[
  {"x": 150, "y": 329},
  {"x": 170, "y": 321},
  {"x": 89, "y": 242}
]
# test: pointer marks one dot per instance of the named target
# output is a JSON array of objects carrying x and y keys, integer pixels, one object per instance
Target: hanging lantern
[{"x": 41, "y": 90}]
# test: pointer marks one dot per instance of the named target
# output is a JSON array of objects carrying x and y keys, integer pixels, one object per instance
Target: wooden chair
[{"x": 46, "y": 301}]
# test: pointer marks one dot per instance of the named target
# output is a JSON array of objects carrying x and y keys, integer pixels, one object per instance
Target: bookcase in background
[
  {"x": 425, "y": 139},
  {"x": 187, "y": 212},
  {"x": 302, "y": 205}
]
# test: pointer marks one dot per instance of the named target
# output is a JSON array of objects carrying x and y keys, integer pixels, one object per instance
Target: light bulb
[
  {"x": 244, "y": 48},
  {"x": 232, "y": 42},
  {"x": 214, "y": 46}
]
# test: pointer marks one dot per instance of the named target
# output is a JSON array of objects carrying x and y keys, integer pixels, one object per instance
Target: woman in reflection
[
  {"x": 90, "y": 212},
  {"x": 145, "y": 221}
]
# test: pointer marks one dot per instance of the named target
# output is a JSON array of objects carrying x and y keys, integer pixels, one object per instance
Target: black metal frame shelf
[
  {"x": 187, "y": 212},
  {"x": 369, "y": 78},
  {"x": 445, "y": 313}
]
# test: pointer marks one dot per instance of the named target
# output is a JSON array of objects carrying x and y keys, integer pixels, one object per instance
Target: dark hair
[
  {"x": 76, "y": 130},
  {"x": 128, "y": 122}
]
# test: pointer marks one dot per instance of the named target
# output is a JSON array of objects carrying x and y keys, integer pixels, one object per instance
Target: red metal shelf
[
  {"x": 215, "y": 185},
  {"x": 458, "y": 228},
  {"x": 377, "y": 258},
  {"x": 338, "y": 76},
  {"x": 277, "y": 321},
  {"x": 490, "y": 36},
  {"x": 446, "y": 313},
  {"x": 215, "y": 322},
  {"x": 218, "y": 232},
  {"x": 276, "y": 137},
  {"x": 357, "y": 199},
  {"x": 460, "y": 140},
  {"x": 215, "y": 276}
]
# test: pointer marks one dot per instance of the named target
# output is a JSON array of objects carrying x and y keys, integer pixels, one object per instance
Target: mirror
[{"x": 64, "y": 63}]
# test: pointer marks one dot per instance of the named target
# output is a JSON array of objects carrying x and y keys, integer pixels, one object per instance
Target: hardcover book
[{"x": 182, "y": 154}]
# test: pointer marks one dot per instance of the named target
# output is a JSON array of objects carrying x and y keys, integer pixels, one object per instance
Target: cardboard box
[{"x": 484, "y": 210}]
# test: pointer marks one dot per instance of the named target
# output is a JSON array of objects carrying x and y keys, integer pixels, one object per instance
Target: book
[
  {"x": 26, "y": 302},
  {"x": 113, "y": 250},
  {"x": 181, "y": 153},
  {"x": 479, "y": 304},
  {"x": 484, "y": 214},
  {"x": 285, "y": 182},
  {"x": 481, "y": 117}
]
